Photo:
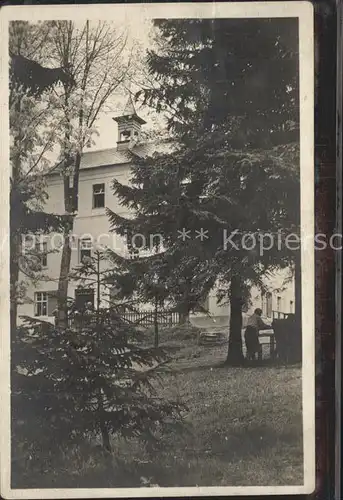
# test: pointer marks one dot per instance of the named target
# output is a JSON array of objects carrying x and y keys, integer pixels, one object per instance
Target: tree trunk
[
  {"x": 62, "y": 295},
  {"x": 75, "y": 192},
  {"x": 15, "y": 242},
  {"x": 106, "y": 444},
  {"x": 70, "y": 200},
  {"x": 70, "y": 206},
  {"x": 156, "y": 339},
  {"x": 184, "y": 309},
  {"x": 235, "y": 351},
  {"x": 98, "y": 286},
  {"x": 105, "y": 438}
]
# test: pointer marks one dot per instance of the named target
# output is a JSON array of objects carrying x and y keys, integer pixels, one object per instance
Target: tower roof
[
  {"x": 129, "y": 108},
  {"x": 129, "y": 111}
]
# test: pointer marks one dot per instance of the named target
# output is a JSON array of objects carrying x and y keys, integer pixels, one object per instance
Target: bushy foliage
[
  {"x": 34, "y": 130},
  {"x": 231, "y": 90},
  {"x": 91, "y": 380},
  {"x": 240, "y": 74}
]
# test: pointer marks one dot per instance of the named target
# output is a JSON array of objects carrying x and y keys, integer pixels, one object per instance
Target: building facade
[{"x": 91, "y": 229}]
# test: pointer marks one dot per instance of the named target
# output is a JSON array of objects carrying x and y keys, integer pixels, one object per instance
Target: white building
[{"x": 97, "y": 170}]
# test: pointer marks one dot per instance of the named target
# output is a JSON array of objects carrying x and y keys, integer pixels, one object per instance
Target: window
[
  {"x": 133, "y": 250},
  {"x": 29, "y": 243},
  {"x": 45, "y": 303},
  {"x": 98, "y": 195},
  {"x": 83, "y": 296},
  {"x": 269, "y": 304},
  {"x": 278, "y": 304},
  {"x": 291, "y": 306},
  {"x": 263, "y": 303},
  {"x": 44, "y": 258},
  {"x": 41, "y": 304},
  {"x": 42, "y": 250},
  {"x": 133, "y": 253},
  {"x": 85, "y": 249}
]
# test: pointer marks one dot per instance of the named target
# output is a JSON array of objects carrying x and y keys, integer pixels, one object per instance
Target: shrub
[{"x": 93, "y": 379}]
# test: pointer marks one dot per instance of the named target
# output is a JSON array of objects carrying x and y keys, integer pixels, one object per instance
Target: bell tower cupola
[{"x": 129, "y": 126}]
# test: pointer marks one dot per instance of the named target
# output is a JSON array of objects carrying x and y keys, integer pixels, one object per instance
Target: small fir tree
[{"x": 92, "y": 379}]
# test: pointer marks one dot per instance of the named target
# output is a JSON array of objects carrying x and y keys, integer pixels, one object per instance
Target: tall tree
[
  {"x": 99, "y": 61},
  {"x": 230, "y": 89},
  {"x": 213, "y": 225},
  {"x": 212, "y": 74},
  {"x": 33, "y": 132}
]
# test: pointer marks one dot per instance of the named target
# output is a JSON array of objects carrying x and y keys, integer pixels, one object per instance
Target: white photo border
[{"x": 302, "y": 10}]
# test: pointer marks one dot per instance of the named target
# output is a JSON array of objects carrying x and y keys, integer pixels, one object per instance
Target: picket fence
[{"x": 147, "y": 318}]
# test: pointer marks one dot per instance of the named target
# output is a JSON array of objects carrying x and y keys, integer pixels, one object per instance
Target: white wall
[
  {"x": 88, "y": 222},
  {"x": 278, "y": 285},
  {"x": 94, "y": 223}
]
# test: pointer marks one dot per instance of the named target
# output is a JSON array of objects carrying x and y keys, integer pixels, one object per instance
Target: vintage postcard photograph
[{"x": 157, "y": 250}]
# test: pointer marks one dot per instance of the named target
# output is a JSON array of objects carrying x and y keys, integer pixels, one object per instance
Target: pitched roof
[
  {"x": 109, "y": 157},
  {"x": 112, "y": 157},
  {"x": 104, "y": 157}
]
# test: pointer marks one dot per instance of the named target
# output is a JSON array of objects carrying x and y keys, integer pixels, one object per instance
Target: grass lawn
[{"x": 243, "y": 427}]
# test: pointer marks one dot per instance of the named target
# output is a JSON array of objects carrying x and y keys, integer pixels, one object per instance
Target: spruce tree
[
  {"x": 218, "y": 207},
  {"x": 231, "y": 93}
]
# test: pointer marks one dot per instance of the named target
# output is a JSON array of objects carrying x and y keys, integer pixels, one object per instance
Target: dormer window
[{"x": 98, "y": 195}]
